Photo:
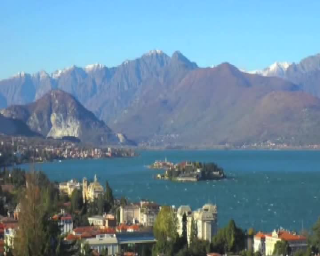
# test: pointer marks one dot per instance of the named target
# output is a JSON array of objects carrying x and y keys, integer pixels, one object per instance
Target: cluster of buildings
[
  {"x": 143, "y": 213},
  {"x": 265, "y": 243},
  {"x": 205, "y": 219},
  {"x": 39, "y": 150},
  {"x": 90, "y": 191}
]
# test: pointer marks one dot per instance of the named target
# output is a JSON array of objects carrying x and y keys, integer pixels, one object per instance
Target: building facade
[
  {"x": 296, "y": 242},
  {"x": 104, "y": 242},
  {"x": 130, "y": 213},
  {"x": 259, "y": 243},
  {"x": 68, "y": 187},
  {"x": 204, "y": 218},
  {"x": 66, "y": 224},
  {"x": 91, "y": 191}
]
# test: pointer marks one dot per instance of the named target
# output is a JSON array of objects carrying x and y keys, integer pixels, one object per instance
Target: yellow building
[
  {"x": 69, "y": 187},
  {"x": 91, "y": 191},
  {"x": 296, "y": 242}
]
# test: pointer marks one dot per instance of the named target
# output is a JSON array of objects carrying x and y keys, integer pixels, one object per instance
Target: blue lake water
[{"x": 264, "y": 189}]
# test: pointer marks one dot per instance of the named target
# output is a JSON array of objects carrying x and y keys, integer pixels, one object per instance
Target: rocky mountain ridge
[
  {"x": 168, "y": 100},
  {"x": 58, "y": 114}
]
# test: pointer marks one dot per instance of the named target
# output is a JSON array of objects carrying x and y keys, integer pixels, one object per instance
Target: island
[{"x": 192, "y": 171}]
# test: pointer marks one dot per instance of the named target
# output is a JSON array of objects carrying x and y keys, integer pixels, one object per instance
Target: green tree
[
  {"x": 101, "y": 204},
  {"x": 193, "y": 231},
  {"x": 199, "y": 247},
  {"x": 86, "y": 250},
  {"x": 184, "y": 228},
  {"x": 166, "y": 223},
  {"x": 76, "y": 200},
  {"x": 109, "y": 195},
  {"x": 165, "y": 231},
  {"x": 229, "y": 239},
  {"x": 36, "y": 233},
  {"x": 314, "y": 239},
  {"x": 281, "y": 248},
  {"x": 123, "y": 201}
]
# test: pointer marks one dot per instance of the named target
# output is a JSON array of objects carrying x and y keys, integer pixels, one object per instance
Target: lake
[{"x": 264, "y": 189}]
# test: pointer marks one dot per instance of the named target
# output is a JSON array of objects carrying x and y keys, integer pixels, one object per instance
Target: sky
[{"x": 51, "y": 35}]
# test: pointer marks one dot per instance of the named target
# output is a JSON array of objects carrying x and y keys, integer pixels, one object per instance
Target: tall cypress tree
[
  {"x": 109, "y": 195},
  {"x": 184, "y": 229},
  {"x": 194, "y": 231}
]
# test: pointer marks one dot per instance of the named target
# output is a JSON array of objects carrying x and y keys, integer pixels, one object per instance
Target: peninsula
[{"x": 192, "y": 171}]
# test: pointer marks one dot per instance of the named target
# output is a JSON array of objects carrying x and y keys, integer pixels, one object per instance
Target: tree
[
  {"x": 76, "y": 200},
  {"x": 109, "y": 195},
  {"x": 281, "y": 248},
  {"x": 36, "y": 233},
  {"x": 184, "y": 229},
  {"x": 86, "y": 250},
  {"x": 193, "y": 231},
  {"x": 165, "y": 231},
  {"x": 229, "y": 239},
  {"x": 166, "y": 223},
  {"x": 199, "y": 247},
  {"x": 123, "y": 201},
  {"x": 101, "y": 204},
  {"x": 314, "y": 240}
]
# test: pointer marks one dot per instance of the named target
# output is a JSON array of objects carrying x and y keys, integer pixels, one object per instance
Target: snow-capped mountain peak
[
  {"x": 153, "y": 52},
  {"x": 276, "y": 69},
  {"x": 59, "y": 72},
  {"x": 94, "y": 67},
  {"x": 41, "y": 74},
  {"x": 19, "y": 75}
]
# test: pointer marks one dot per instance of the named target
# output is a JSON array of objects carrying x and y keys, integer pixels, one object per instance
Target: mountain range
[
  {"x": 168, "y": 100},
  {"x": 306, "y": 73}
]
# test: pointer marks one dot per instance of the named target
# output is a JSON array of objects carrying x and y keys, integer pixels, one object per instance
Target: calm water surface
[{"x": 264, "y": 189}]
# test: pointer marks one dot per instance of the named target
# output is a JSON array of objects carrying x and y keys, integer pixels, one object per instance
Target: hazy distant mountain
[
  {"x": 306, "y": 73},
  {"x": 58, "y": 114},
  {"x": 162, "y": 100},
  {"x": 14, "y": 127},
  {"x": 278, "y": 69},
  {"x": 225, "y": 106}
]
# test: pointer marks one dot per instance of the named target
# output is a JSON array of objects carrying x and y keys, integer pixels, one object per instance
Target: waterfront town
[
  {"x": 17, "y": 150},
  {"x": 84, "y": 218}
]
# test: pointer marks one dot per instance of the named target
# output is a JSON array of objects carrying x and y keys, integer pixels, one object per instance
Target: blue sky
[{"x": 49, "y": 35}]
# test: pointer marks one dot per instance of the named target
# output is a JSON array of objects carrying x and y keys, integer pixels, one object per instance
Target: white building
[
  {"x": 205, "y": 220},
  {"x": 103, "y": 242},
  {"x": 259, "y": 243},
  {"x": 148, "y": 213},
  {"x": 96, "y": 220},
  {"x": 66, "y": 224},
  {"x": 296, "y": 242},
  {"x": 130, "y": 213},
  {"x": 144, "y": 213}
]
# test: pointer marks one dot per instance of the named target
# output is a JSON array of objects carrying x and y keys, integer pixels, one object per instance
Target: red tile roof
[
  {"x": 284, "y": 235},
  {"x": 66, "y": 218},
  {"x": 71, "y": 237},
  {"x": 287, "y": 236},
  {"x": 213, "y": 254},
  {"x": 124, "y": 227},
  {"x": 260, "y": 235}
]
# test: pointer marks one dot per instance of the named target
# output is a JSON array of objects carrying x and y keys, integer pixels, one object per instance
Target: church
[{"x": 91, "y": 191}]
